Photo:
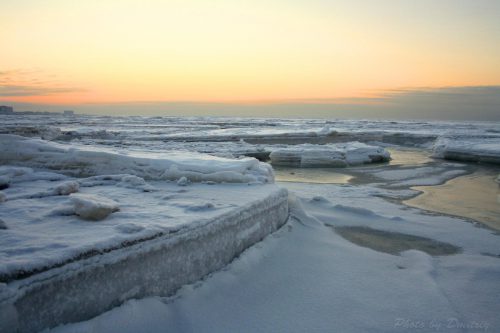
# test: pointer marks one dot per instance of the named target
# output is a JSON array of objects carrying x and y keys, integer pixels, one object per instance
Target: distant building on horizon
[{"x": 4, "y": 109}]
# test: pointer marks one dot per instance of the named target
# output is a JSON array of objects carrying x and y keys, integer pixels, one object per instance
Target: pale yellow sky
[{"x": 99, "y": 51}]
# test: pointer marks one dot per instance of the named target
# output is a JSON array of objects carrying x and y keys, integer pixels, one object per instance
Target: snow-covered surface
[
  {"x": 44, "y": 228},
  {"x": 17, "y": 150},
  {"x": 331, "y": 155},
  {"x": 308, "y": 278}
]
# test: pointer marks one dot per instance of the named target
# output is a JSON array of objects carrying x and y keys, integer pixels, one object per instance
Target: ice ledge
[{"x": 81, "y": 290}]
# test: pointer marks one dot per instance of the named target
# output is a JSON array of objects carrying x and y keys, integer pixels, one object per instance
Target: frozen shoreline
[{"x": 130, "y": 217}]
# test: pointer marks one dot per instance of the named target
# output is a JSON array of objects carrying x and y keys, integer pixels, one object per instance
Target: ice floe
[
  {"x": 332, "y": 155},
  {"x": 485, "y": 150}
]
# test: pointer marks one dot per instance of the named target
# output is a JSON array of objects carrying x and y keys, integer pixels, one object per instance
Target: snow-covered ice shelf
[{"x": 58, "y": 268}]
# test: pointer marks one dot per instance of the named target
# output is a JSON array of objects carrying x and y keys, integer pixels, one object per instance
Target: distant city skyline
[{"x": 330, "y": 59}]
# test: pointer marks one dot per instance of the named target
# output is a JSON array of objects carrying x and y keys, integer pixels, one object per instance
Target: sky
[{"x": 305, "y": 58}]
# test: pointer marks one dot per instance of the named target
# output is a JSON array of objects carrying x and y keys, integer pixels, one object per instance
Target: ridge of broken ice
[
  {"x": 331, "y": 155},
  {"x": 35, "y": 153}
]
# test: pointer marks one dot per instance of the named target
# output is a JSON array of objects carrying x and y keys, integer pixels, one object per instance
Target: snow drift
[{"x": 169, "y": 166}]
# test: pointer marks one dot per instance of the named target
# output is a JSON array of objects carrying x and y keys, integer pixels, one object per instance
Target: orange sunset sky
[{"x": 76, "y": 53}]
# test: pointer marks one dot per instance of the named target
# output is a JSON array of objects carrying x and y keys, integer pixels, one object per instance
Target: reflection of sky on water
[{"x": 475, "y": 196}]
